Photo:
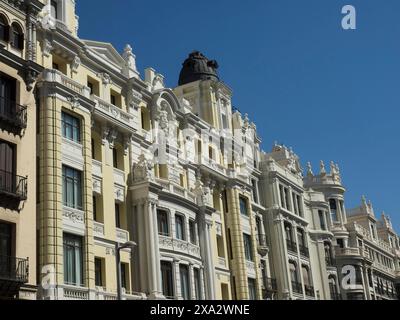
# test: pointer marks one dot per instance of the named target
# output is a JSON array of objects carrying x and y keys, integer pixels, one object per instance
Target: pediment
[{"x": 106, "y": 51}]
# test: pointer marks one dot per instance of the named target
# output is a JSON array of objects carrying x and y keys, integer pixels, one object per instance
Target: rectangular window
[
  {"x": 321, "y": 216},
  {"x": 192, "y": 232},
  {"x": 72, "y": 187},
  {"x": 90, "y": 86},
  {"x": 115, "y": 158},
  {"x": 71, "y": 127},
  {"x": 94, "y": 208},
  {"x": 124, "y": 275},
  {"x": 54, "y": 9},
  {"x": 113, "y": 99},
  {"x": 162, "y": 221},
  {"x": 8, "y": 91},
  {"x": 98, "y": 272},
  {"x": 333, "y": 208},
  {"x": 248, "y": 248},
  {"x": 252, "y": 289},
  {"x": 5, "y": 240},
  {"x": 287, "y": 199},
  {"x": 167, "y": 279},
  {"x": 93, "y": 149},
  {"x": 243, "y": 206},
  {"x": 254, "y": 187},
  {"x": 197, "y": 284},
  {"x": 117, "y": 216},
  {"x": 184, "y": 276},
  {"x": 73, "y": 260},
  {"x": 179, "y": 227}
]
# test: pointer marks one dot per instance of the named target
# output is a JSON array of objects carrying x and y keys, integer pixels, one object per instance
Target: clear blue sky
[{"x": 330, "y": 94}]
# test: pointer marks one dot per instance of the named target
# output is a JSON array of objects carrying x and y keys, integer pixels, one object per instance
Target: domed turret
[{"x": 198, "y": 67}]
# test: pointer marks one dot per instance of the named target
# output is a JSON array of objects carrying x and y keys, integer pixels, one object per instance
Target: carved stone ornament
[
  {"x": 74, "y": 101},
  {"x": 143, "y": 169}
]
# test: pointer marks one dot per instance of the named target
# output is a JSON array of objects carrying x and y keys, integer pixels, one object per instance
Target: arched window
[
  {"x": 17, "y": 37},
  {"x": 306, "y": 275},
  {"x": 293, "y": 271},
  {"x": 4, "y": 29}
]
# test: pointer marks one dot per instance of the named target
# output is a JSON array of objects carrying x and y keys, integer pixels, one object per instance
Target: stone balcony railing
[
  {"x": 182, "y": 246},
  {"x": 113, "y": 112},
  {"x": 222, "y": 261},
  {"x": 382, "y": 267},
  {"x": 366, "y": 234},
  {"x": 75, "y": 293},
  {"x": 212, "y": 164},
  {"x": 52, "y": 75},
  {"x": 121, "y": 235},
  {"x": 98, "y": 229},
  {"x": 347, "y": 251},
  {"x": 176, "y": 189}
]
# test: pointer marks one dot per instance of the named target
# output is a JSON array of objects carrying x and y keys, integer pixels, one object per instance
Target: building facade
[
  {"x": 18, "y": 70},
  {"x": 95, "y": 155}
]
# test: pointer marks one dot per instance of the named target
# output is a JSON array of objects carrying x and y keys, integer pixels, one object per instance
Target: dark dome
[{"x": 198, "y": 67}]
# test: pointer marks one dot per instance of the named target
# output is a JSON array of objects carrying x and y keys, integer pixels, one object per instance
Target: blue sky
[{"x": 331, "y": 94}]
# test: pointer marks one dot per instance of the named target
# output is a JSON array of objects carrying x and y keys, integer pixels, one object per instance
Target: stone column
[
  {"x": 177, "y": 282},
  {"x": 206, "y": 252},
  {"x": 154, "y": 254}
]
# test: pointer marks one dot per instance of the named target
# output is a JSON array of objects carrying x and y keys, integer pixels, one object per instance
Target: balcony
[
  {"x": 291, "y": 246},
  {"x": 171, "y": 244},
  {"x": 121, "y": 235},
  {"x": 309, "y": 290},
  {"x": 296, "y": 287},
  {"x": 110, "y": 112},
  {"x": 13, "y": 190},
  {"x": 13, "y": 117},
  {"x": 304, "y": 251},
  {"x": 13, "y": 273},
  {"x": 52, "y": 75}
]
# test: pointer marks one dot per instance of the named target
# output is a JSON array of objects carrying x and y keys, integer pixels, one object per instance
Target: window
[
  {"x": 293, "y": 271},
  {"x": 254, "y": 188},
  {"x": 321, "y": 216},
  {"x": 5, "y": 241},
  {"x": 94, "y": 208},
  {"x": 115, "y": 158},
  {"x": 8, "y": 91},
  {"x": 299, "y": 205},
  {"x": 72, "y": 188},
  {"x": 252, "y": 289},
  {"x": 300, "y": 237},
  {"x": 73, "y": 262},
  {"x": 17, "y": 37},
  {"x": 333, "y": 207},
  {"x": 7, "y": 165},
  {"x": 90, "y": 86},
  {"x": 243, "y": 206},
  {"x": 117, "y": 216},
  {"x": 287, "y": 199},
  {"x": 288, "y": 231},
  {"x": 179, "y": 227},
  {"x": 185, "y": 287},
  {"x": 54, "y": 9},
  {"x": 306, "y": 275},
  {"x": 162, "y": 221},
  {"x": 197, "y": 284},
  {"x": 192, "y": 232},
  {"x": 4, "y": 29},
  {"x": 71, "y": 127},
  {"x": 113, "y": 99},
  {"x": 98, "y": 272},
  {"x": 167, "y": 279},
  {"x": 248, "y": 249},
  {"x": 124, "y": 275}
]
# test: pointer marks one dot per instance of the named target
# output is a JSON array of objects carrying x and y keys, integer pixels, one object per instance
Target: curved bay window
[
  {"x": 179, "y": 227},
  {"x": 17, "y": 37},
  {"x": 333, "y": 207},
  {"x": 185, "y": 283}
]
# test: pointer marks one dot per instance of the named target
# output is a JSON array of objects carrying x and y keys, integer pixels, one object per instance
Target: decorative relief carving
[{"x": 143, "y": 169}]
